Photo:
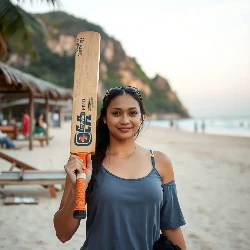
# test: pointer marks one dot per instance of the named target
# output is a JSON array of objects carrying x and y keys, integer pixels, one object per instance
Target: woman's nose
[{"x": 124, "y": 119}]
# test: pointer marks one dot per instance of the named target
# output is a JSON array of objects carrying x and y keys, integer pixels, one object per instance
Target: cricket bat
[{"x": 84, "y": 109}]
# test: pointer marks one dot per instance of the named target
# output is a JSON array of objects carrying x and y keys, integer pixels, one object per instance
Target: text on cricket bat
[
  {"x": 83, "y": 136},
  {"x": 79, "y": 45}
]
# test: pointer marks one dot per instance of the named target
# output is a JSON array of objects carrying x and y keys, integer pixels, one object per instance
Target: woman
[
  {"x": 132, "y": 194},
  {"x": 40, "y": 126}
]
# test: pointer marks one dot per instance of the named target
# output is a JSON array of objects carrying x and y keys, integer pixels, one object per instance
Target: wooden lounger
[
  {"x": 16, "y": 163},
  {"x": 24, "y": 166},
  {"x": 27, "y": 177},
  {"x": 41, "y": 139}
]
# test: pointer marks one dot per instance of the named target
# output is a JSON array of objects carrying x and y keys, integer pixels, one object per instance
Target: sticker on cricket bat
[{"x": 84, "y": 136}]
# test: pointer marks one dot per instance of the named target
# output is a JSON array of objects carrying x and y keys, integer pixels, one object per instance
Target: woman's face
[{"x": 123, "y": 117}]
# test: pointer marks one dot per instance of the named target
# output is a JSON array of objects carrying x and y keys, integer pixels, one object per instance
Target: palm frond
[
  {"x": 53, "y": 2},
  {"x": 18, "y": 27}
]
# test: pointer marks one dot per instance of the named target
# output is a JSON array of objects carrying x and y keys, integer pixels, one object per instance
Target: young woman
[
  {"x": 131, "y": 196},
  {"x": 40, "y": 125}
]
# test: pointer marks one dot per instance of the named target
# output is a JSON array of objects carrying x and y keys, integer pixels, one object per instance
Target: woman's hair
[{"x": 102, "y": 132}]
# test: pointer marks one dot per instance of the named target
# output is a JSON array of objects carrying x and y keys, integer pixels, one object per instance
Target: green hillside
[{"x": 56, "y": 63}]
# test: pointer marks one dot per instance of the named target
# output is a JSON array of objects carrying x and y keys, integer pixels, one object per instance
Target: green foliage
[
  {"x": 51, "y": 67},
  {"x": 68, "y": 24},
  {"x": 17, "y": 25},
  {"x": 113, "y": 78},
  {"x": 140, "y": 73}
]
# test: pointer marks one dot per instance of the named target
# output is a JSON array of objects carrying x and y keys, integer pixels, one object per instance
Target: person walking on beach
[
  {"x": 131, "y": 194},
  {"x": 55, "y": 119},
  {"x": 203, "y": 126},
  {"x": 195, "y": 127}
]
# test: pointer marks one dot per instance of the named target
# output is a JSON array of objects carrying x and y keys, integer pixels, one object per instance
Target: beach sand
[{"x": 213, "y": 182}]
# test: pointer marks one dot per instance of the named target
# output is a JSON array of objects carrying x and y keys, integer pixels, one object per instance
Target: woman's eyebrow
[{"x": 128, "y": 108}]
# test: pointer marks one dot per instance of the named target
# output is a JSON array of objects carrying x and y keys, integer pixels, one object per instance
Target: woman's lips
[{"x": 124, "y": 130}]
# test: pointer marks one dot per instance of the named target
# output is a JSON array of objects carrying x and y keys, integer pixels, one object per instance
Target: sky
[{"x": 202, "y": 47}]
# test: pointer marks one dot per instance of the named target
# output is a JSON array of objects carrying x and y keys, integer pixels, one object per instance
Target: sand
[{"x": 213, "y": 182}]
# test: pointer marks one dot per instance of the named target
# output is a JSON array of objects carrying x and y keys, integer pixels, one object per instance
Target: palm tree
[{"x": 18, "y": 25}]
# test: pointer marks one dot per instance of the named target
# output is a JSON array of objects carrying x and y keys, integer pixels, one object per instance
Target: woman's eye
[
  {"x": 133, "y": 112},
  {"x": 116, "y": 113}
]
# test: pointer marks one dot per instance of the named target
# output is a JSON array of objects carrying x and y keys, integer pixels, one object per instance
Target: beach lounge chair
[
  {"x": 16, "y": 163},
  {"x": 30, "y": 175}
]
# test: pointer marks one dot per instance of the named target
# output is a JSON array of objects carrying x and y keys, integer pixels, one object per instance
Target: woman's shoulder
[{"x": 164, "y": 166}]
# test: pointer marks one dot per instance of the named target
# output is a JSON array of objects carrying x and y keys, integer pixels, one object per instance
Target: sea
[{"x": 231, "y": 126}]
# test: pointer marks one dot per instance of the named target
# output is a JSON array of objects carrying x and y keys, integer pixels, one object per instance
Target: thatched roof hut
[
  {"x": 15, "y": 81},
  {"x": 17, "y": 84}
]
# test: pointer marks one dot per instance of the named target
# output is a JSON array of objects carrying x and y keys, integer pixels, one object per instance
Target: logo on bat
[{"x": 84, "y": 136}]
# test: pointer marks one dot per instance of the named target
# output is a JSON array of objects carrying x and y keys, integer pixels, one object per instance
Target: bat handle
[{"x": 80, "y": 202}]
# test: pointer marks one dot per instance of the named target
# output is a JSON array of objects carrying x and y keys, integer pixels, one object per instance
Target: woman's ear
[{"x": 142, "y": 119}]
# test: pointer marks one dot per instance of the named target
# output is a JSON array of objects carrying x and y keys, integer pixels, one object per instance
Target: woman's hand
[{"x": 75, "y": 166}]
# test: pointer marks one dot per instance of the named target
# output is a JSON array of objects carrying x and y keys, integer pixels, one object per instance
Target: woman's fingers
[{"x": 74, "y": 165}]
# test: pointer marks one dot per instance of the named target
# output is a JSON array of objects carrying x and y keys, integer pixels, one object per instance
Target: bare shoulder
[{"x": 164, "y": 166}]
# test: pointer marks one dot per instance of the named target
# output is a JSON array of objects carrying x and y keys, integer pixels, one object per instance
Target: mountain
[{"x": 56, "y": 64}]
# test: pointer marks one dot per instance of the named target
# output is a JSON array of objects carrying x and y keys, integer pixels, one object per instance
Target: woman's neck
[{"x": 121, "y": 149}]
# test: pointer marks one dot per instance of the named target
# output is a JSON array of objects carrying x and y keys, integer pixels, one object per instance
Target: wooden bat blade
[{"x": 86, "y": 76}]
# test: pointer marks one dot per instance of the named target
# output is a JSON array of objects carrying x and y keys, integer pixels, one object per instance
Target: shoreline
[
  {"x": 235, "y": 128},
  {"x": 179, "y": 130}
]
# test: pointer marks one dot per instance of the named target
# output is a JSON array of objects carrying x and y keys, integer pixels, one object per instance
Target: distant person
[
  {"x": 40, "y": 125},
  {"x": 195, "y": 127},
  {"x": 6, "y": 140},
  {"x": 203, "y": 127},
  {"x": 25, "y": 123},
  {"x": 55, "y": 120},
  {"x": 171, "y": 123}
]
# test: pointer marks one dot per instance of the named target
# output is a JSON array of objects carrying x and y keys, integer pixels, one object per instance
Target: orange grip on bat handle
[{"x": 80, "y": 209}]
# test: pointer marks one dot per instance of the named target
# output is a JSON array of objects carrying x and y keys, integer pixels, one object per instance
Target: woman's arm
[
  {"x": 176, "y": 236},
  {"x": 64, "y": 223},
  {"x": 165, "y": 169}
]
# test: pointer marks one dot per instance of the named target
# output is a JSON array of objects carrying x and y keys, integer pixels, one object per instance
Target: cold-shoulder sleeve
[{"x": 171, "y": 214}]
